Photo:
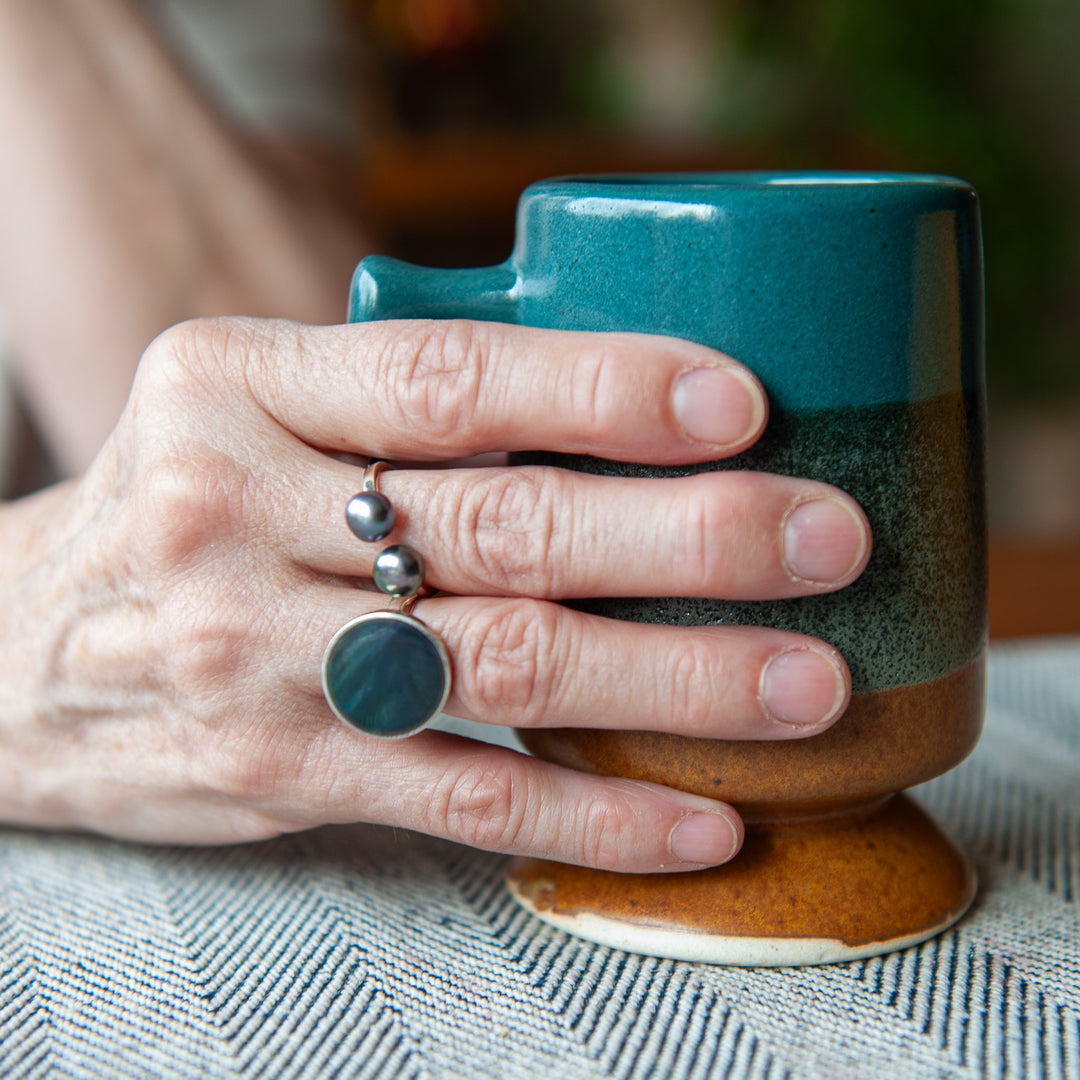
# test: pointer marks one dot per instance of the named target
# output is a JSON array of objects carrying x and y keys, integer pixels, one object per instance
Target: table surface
[{"x": 365, "y": 952}]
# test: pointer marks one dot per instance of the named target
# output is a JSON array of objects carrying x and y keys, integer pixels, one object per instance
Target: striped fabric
[{"x": 361, "y": 952}]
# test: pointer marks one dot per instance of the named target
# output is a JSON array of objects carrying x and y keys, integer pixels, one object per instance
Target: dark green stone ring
[{"x": 386, "y": 674}]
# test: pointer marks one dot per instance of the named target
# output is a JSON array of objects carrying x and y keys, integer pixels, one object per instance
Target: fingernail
[
  {"x": 824, "y": 541},
  {"x": 718, "y": 406},
  {"x": 707, "y": 838},
  {"x": 803, "y": 687}
]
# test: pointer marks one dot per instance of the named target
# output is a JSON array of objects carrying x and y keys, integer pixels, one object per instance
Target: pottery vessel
[{"x": 857, "y": 300}]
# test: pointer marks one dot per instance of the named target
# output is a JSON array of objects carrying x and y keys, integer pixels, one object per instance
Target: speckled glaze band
[
  {"x": 857, "y": 300},
  {"x": 385, "y": 673}
]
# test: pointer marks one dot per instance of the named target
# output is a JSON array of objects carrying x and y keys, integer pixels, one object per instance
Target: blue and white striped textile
[{"x": 364, "y": 952}]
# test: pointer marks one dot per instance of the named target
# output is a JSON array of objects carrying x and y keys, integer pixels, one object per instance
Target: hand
[{"x": 169, "y": 612}]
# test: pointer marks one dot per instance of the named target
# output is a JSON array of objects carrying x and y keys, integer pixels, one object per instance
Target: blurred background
[
  {"x": 460, "y": 103},
  {"x": 446, "y": 109}
]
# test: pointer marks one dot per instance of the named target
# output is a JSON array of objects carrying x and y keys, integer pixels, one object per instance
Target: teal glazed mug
[{"x": 857, "y": 301}]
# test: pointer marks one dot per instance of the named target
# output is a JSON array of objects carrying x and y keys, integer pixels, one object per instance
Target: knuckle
[
  {"x": 481, "y": 805},
  {"x": 705, "y": 519},
  {"x": 200, "y": 357},
  {"x": 608, "y": 830},
  {"x": 243, "y": 741},
  {"x": 432, "y": 376},
  {"x": 186, "y": 539},
  {"x": 505, "y": 527},
  {"x": 511, "y": 659},
  {"x": 187, "y": 502},
  {"x": 690, "y": 691},
  {"x": 189, "y": 352},
  {"x": 598, "y": 390},
  {"x": 237, "y": 766},
  {"x": 215, "y": 647}
]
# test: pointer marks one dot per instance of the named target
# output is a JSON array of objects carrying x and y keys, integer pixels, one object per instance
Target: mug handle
[{"x": 386, "y": 288}]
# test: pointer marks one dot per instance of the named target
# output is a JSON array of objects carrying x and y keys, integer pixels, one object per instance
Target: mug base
[{"x": 799, "y": 893}]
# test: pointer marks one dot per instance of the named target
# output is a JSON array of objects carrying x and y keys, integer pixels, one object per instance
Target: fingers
[
  {"x": 529, "y": 663},
  {"x": 434, "y": 390},
  {"x": 472, "y": 793},
  {"x": 557, "y": 534},
  {"x": 527, "y": 531},
  {"x": 492, "y": 798},
  {"x": 437, "y": 391}
]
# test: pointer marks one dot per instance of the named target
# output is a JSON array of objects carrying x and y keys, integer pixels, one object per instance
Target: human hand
[{"x": 169, "y": 611}]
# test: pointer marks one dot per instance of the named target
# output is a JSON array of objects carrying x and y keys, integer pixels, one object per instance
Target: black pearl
[
  {"x": 370, "y": 515},
  {"x": 399, "y": 570}
]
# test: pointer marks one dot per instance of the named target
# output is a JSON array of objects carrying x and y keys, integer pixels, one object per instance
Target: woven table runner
[{"x": 369, "y": 952}]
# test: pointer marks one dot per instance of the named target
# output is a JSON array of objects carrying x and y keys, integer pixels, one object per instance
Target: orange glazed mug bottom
[
  {"x": 820, "y": 878},
  {"x": 871, "y": 881},
  {"x": 834, "y": 866}
]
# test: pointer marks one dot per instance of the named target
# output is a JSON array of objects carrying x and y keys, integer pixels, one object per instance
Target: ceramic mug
[{"x": 856, "y": 299}]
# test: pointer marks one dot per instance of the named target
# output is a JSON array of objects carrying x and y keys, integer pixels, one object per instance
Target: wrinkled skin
[{"x": 164, "y": 617}]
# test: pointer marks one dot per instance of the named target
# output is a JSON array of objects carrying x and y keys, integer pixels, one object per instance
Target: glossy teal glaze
[
  {"x": 836, "y": 290},
  {"x": 857, "y": 300}
]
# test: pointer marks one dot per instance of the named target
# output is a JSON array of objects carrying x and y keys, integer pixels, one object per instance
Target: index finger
[{"x": 435, "y": 389}]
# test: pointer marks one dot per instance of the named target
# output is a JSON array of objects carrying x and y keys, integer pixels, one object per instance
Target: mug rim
[{"x": 818, "y": 179}]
